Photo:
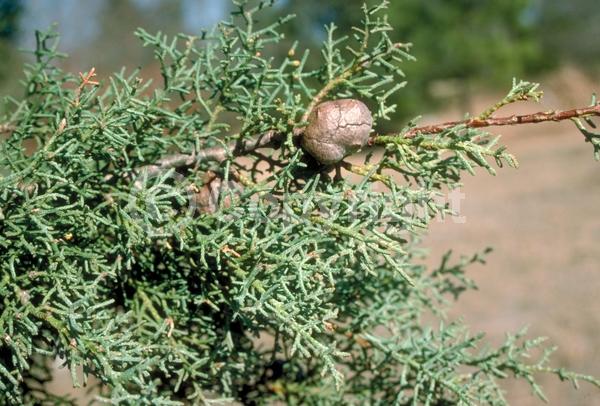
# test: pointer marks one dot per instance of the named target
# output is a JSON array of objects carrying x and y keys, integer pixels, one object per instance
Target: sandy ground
[{"x": 543, "y": 221}]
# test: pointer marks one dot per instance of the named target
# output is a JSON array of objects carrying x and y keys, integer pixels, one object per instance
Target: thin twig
[
  {"x": 86, "y": 80},
  {"x": 366, "y": 170},
  {"x": 269, "y": 139},
  {"x": 555, "y": 115}
]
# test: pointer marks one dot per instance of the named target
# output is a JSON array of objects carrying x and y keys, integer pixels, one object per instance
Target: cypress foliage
[{"x": 177, "y": 243}]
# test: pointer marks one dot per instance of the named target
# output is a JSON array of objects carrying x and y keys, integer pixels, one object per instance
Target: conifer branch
[
  {"x": 539, "y": 117},
  {"x": 161, "y": 301},
  {"x": 269, "y": 139},
  {"x": 272, "y": 139}
]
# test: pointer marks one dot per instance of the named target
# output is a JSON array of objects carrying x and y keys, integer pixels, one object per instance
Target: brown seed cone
[{"x": 337, "y": 129}]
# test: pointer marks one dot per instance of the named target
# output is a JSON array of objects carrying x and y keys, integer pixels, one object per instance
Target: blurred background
[{"x": 542, "y": 220}]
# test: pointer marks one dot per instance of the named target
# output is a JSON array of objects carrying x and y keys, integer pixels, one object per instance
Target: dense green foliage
[{"x": 302, "y": 286}]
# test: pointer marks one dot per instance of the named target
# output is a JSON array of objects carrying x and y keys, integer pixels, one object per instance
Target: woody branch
[
  {"x": 540, "y": 117},
  {"x": 271, "y": 139}
]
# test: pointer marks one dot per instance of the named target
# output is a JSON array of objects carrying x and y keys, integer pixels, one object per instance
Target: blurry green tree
[
  {"x": 457, "y": 43},
  {"x": 9, "y": 21},
  {"x": 569, "y": 30},
  {"x": 9, "y": 12}
]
